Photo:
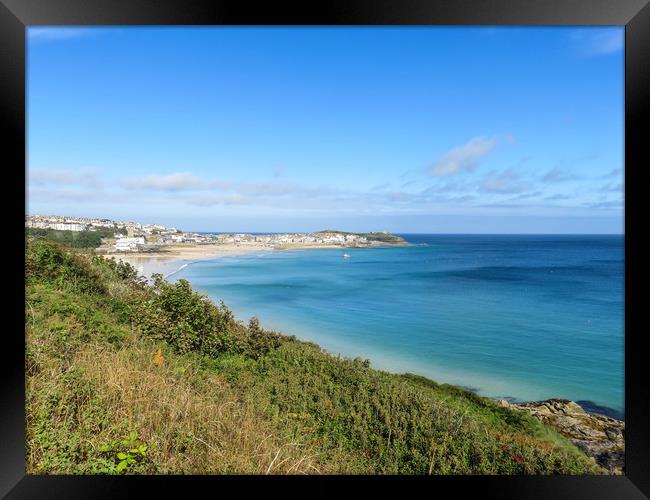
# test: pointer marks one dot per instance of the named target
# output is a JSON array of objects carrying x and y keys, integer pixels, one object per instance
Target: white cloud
[
  {"x": 48, "y": 177},
  {"x": 182, "y": 181},
  {"x": 617, "y": 172},
  {"x": 606, "y": 204},
  {"x": 463, "y": 158},
  {"x": 448, "y": 187},
  {"x": 612, "y": 187},
  {"x": 506, "y": 182},
  {"x": 55, "y": 33},
  {"x": 229, "y": 199},
  {"x": 557, "y": 197},
  {"x": 75, "y": 195},
  {"x": 592, "y": 42},
  {"x": 558, "y": 174},
  {"x": 268, "y": 189}
]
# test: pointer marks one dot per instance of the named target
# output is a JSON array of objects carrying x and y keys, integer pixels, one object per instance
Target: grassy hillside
[
  {"x": 75, "y": 239},
  {"x": 123, "y": 377}
]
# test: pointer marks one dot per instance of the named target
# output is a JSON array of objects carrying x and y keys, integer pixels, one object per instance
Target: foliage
[
  {"x": 122, "y": 270},
  {"x": 190, "y": 322},
  {"x": 74, "y": 239},
  {"x": 372, "y": 236},
  {"x": 47, "y": 260},
  {"x": 108, "y": 355},
  {"x": 126, "y": 452},
  {"x": 388, "y": 424}
]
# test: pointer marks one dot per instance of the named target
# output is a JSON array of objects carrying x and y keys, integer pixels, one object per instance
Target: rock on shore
[{"x": 600, "y": 437}]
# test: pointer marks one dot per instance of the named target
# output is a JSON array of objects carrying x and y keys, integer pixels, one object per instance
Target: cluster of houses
[
  {"x": 135, "y": 237},
  {"x": 61, "y": 223},
  {"x": 321, "y": 238}
]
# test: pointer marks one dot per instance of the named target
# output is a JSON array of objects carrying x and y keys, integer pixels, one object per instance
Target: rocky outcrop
[{"x": 598, "y": 436}]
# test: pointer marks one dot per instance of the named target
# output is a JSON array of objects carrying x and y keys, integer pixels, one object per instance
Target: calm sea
[{"x": 521, "y": 317}]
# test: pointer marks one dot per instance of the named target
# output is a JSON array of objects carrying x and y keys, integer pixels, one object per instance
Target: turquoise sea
[{"x": 517, "y": 316}]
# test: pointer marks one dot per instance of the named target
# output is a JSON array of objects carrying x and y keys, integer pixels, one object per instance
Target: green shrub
[
  {"x": 185, "y": 320},
  {"x": 73, "y": 239},
  {"x": 50, "y": 261},
  {"x": 353, "y": 418},
  {"x": 126, "y": 453},
  {"x": 120, "y": 270}
]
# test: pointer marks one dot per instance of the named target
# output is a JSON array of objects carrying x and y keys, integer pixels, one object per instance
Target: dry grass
[
  {"x": 196, "y": 422},
  {"x": 192, "y": 423},
  {"x": 84, "y": 393}
]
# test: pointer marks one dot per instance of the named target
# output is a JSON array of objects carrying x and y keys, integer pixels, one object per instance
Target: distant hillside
[
  {"x": 372, "y": 236},
  {"x": 123, "y": 377},
  {"x": 75, "y": 239}
]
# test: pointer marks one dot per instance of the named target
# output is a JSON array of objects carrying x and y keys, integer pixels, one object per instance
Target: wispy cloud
[
  {"x": 463, "y": 158},
  {"x": 526, "y": 196},
  {"x": 57, "y": 33},
  {"x": 408, "y": 183},
  {"x": 591, "y": 42},
  {"x": 195, "y": 190},
  {"x": 182, "y": 181},
  {"x": 48, "y": 177},
  {"x": 507, "y": 187},
  {"x": 558, "y": 174},
  {"x": 228, "y": 199},
  {"x": 461, "y": 199},
  {"x": 268, "y": 189},
  {"x": 279, "y": 171},
  {"x": 612, "y": 187},
  {"x": 447, "y": 187},
  {"x": 614, "y": 173},
  {"x": 66, "y": 194},
  {"x": 605, "y": 204},
  {"x": 557, "y": 197},
  {"x": 381, "y": 187},
  {"x": 505, "y": 182}
]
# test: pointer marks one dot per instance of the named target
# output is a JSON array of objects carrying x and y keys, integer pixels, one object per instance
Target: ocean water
[{"x": 517, "y": 316}]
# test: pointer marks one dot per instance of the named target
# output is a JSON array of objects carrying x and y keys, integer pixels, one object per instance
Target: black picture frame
[{"x": 16, "y": 15}]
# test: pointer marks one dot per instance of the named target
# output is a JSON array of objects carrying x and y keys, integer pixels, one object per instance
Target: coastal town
[{"x": 133, "y": 237}]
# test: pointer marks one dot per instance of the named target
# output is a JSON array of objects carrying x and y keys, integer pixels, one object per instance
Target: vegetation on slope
[
  {"x": 74, "y": 239},
  {"x": 125, "y": 377}
]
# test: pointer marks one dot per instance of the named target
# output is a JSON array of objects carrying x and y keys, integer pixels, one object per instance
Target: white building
[
  {"x": 129, "y": 244},
  {"x": 68, "y": 227},
  {"x": 102, "y": 224}
]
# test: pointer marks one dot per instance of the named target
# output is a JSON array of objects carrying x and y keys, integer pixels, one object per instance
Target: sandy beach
[{"x": 176, "y": 256}]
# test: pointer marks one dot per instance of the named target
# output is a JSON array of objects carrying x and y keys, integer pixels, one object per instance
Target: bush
[
  {"x": 282, "y": 404},
  {"x": 51, "y": 262},
  {"x": 121, "y": 270},
  {"x": 190, "y": 322},
  {"x": 261, "y": 341},
  {"x": 74, "y": 239}
]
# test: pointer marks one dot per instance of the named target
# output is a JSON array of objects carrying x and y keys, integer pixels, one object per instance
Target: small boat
[{"x": 346, "y": 256}]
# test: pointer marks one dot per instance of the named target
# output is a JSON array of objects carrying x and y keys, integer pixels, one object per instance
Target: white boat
[{"x": 346, "y": 256}]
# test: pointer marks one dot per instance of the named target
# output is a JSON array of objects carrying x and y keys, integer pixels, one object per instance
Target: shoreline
[
  {"x": 147, "y": 263},
  {"x": 165, "y": 262},
  {"x": 180, "y": 256},
  {"x": 598, "y": 431}
]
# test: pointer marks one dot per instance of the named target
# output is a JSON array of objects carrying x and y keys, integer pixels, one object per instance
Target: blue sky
[{"x": 420, "y": 129}]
